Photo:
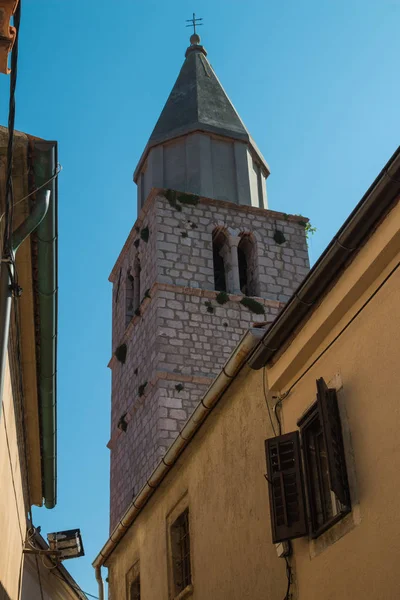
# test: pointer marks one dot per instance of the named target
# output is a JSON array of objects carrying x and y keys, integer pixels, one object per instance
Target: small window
[
  {"x": 324, "y": 476},
  {"x": 134, "y": 590},
  {"x": 133, "y": 582},
  {"x": 129, "y": 296},
  {"x": 220, "y": 249},
  {"x": 180, "y": 550},
  {"x": 137, "y": 283}
]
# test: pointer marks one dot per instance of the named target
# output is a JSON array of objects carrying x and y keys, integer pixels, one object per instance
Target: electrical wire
[
  {"x": 78, "y": 589},
  {"x": 8, "y": 254},
  {"x": 266, "y": 400},
  {"x": 8, "y": 231},
  {"x": 380, "y": 286},
  {"x": 58, "y": 171},
  {"x": 10, "y": 146},
  {"x": 23, "y": 428},
  {"x": 12, "y": 471},
  {"x": 289, "y": 578}
]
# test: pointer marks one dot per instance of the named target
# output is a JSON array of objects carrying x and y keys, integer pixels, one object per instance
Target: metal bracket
[{"x": 51, "y": 553}]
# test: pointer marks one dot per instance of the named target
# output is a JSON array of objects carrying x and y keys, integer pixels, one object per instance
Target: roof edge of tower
[{"x": 204, "y": 128}]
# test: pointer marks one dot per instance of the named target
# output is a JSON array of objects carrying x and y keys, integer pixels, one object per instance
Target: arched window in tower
[
  {"x": 136, "y": 283},
  {"x": 129, "y": 295},
  {"x": 132, "y": 291},
  {"x": 247, "y": 265},
  {"x": 220, "y": 249}
]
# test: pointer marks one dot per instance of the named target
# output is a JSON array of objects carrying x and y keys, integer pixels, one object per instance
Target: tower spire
[{"x": 200, "y": 130}]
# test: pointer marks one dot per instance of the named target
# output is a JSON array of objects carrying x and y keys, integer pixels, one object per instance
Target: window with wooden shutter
[
  {"x": 330, "y": 419},
  {"x": 324, "y": 461},
  {"x": 286, "y": 489}
]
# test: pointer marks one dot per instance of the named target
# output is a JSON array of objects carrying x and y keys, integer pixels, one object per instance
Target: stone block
[{"x": 180, "y": 415}]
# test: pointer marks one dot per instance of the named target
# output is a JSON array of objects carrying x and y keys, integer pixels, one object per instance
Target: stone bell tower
[{"x": 204, "y": 261}]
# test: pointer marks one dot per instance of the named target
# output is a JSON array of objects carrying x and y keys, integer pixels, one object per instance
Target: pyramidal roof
[{"x": 198, "y": 102}]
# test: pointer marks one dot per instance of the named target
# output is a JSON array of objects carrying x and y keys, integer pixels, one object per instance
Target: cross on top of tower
[{"x": 193, "y": 22}]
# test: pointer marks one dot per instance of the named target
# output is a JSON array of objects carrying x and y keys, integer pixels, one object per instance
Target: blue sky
[{"x": 315, "y": 82}]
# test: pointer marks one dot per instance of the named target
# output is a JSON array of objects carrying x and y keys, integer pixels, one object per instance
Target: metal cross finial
[{"x": 193, "y": 22}]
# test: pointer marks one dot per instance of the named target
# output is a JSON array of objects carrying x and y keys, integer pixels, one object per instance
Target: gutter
[
  {"x": 44, "y": 166},
  {"x": 366, "y": 216},
  {"x": 221, "y": 383},
  {"x": 7, "y": 273}
]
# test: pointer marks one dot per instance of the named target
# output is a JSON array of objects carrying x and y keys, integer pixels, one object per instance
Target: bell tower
[{"x": 204, "y": 261}]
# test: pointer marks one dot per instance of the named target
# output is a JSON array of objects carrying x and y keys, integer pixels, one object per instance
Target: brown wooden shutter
[
  {"x": 330, "y": 419},
  {"x": 286, "y": 488}
]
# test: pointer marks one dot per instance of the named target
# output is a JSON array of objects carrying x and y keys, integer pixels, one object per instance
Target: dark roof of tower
[{"x": 198, "y": 102}]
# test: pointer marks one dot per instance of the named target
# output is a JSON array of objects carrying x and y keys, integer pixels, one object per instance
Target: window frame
[
  {"x": 304, "y": 423},
  {"x": 135, "y": 581},
  {"x": 132, "y": 575},
  {"x": 326, "y": 410},
  {"x": 184, "y": 553},
  {"x": 182, "y": 504}
]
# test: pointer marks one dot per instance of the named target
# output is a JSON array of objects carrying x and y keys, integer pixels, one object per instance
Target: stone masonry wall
[
  {"x": 182, "y": 337},
  {"x": 184, "y": 248}
]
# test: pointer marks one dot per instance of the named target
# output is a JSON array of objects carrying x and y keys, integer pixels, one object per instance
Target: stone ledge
[
  {"x": 188, "y": 291},
  {"x": 138, "y": 401}
]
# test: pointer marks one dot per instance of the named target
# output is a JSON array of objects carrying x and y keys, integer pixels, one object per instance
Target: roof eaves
[{"x": 348, "y": 241}]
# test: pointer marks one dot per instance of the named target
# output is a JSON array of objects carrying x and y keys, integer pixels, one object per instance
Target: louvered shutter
[
  {"x": 286, "y": 488},
  {"x": 332, "y": 429}
]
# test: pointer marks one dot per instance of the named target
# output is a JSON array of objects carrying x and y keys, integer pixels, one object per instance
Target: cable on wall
[
  {"x": 266, "y": 400},
  {"x": 353, "y": 318}
]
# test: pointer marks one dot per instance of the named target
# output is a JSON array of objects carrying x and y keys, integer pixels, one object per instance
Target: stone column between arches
[{"x": 234, "y": 263}]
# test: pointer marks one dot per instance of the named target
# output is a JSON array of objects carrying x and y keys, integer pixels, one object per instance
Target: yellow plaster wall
[
  {"x": 222, "y": 472},
  {"x": 12, "y": 508},
  {"x": 364, "y": 364},
  {"x": 364, "y": 562}
]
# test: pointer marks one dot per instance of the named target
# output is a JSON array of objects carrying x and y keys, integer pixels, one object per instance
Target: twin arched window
[{"x": 235, "y": 264}]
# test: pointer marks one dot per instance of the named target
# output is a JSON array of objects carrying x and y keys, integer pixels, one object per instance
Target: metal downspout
[
  {"x": 7, "y": 273},
  {"x": 45, "y": 164},
  {"x": 99, "y": 580}
]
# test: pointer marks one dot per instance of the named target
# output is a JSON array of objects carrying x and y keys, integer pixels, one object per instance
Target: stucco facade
[
  {"x": 357, "y": 557},
  {"x": 349, "y": 338},
  {"x": 14, "y": 471}
]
